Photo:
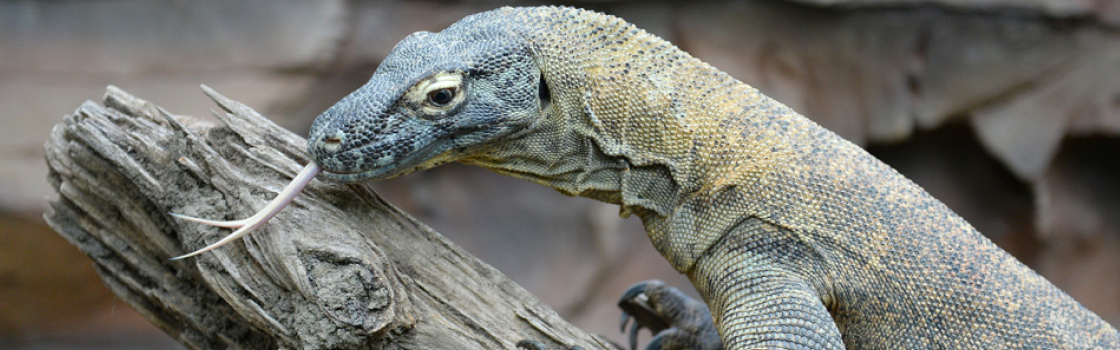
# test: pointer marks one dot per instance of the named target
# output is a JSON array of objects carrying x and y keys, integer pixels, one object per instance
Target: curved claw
[
  {"x": 633, "y": 335},
  {"x": 634, "y": 303},
  {"x": 639, "y": 289},
  {"x": 261, "y": 217}
]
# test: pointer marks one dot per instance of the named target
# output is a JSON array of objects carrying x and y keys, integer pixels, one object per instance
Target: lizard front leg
[{"x": 754, "y": 282}]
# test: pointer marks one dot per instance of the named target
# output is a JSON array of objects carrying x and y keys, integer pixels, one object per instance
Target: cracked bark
[{"x": 338, "y": 269}]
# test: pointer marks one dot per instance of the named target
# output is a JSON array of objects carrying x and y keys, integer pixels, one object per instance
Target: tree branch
[{"x": 338, "y": 269}]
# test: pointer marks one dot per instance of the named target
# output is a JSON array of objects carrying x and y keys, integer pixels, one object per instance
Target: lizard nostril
[{"x": 332, "y": 143}]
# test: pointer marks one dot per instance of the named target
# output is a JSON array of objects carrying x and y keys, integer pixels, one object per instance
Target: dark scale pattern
[{"x": 796, "y": 238}]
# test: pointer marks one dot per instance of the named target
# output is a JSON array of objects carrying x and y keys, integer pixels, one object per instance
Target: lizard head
[{"x": 436, "y": 98}]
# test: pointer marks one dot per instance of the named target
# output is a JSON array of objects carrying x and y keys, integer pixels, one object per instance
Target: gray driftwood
[{"x": 338, "y": 269}]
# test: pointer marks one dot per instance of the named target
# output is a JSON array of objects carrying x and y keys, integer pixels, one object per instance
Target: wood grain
[{"x": 338, "y": 269}]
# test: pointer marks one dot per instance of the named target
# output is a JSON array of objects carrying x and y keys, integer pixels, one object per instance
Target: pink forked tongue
[{"x": 244, "y": 226}]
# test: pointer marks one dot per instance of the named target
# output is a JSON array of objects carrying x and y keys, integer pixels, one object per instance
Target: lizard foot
[
  {"x": 676, "y": 320},
  {"x": 244, "y": 226},
  {"x": 536, "y": 345}
]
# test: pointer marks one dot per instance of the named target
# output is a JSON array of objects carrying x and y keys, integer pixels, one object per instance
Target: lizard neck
[{"x": 637, "y": 122}]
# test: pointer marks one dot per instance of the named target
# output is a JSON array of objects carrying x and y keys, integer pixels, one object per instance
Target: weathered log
[{"x": 338, "y": 269}]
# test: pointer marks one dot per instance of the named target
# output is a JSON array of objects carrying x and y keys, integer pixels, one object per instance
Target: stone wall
[{"x": 1009, "y": 111}]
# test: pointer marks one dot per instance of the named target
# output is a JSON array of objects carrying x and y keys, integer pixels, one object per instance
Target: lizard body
[{"x": 796, "y": 238}]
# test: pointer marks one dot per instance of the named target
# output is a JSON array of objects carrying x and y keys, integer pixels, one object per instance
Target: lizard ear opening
[{"x": 543, "y": 94}]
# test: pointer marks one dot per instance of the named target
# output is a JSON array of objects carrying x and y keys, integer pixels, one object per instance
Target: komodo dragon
[{"x": 795, "y": 238}]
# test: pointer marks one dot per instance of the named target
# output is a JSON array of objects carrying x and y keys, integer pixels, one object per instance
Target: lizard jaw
[
  {"x": 247, "y": 225},
  {"x": 374, "y": 174},
  {"x": 424, "y": 157}
]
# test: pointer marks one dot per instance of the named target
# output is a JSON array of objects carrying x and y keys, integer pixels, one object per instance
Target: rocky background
[{"x": 1008, "y": 111}]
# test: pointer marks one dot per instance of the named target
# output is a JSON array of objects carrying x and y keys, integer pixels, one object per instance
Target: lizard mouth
[
  {"x": 352, "y": 177},
  {"x": 384, "y": 168}
]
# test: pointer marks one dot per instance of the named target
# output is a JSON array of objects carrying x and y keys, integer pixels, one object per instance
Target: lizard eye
[
  {"x": 438, "y": 94},
  {"x": 441, "y": 97}
]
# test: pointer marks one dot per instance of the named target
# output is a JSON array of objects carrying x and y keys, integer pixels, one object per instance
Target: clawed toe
[
  {"x": 634, "y": 303},
  {"x": 675, "y": 320}
]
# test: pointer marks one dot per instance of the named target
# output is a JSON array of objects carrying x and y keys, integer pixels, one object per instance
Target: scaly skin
[{"x": 796, "y": 238}]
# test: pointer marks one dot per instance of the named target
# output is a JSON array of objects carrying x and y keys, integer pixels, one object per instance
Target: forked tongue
[{"x": 261, "y": 217}]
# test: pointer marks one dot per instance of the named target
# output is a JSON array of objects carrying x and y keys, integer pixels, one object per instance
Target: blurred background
[{"x": 1007, "y": 110}]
